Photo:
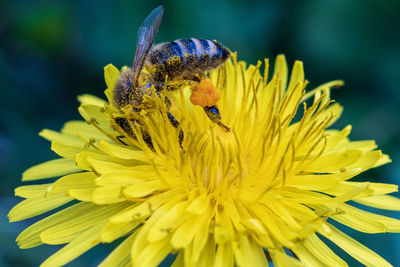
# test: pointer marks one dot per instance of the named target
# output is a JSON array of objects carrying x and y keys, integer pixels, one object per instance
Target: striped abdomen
[{"x": 185, "y": 57}]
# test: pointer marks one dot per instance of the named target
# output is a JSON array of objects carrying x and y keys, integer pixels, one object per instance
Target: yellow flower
[{"x": 266, "y": 190}]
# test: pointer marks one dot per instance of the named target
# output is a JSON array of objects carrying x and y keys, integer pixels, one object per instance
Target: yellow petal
[
  {"x": 391, "y": 224},
  {"x": 333, "y": 162},
  {"x": 281, "y": 259},
  {"x": 297, "y": 75},
  {"x": 137, "y": 212},
  {"x": 95, "y": 113},
  {"x": 207, "y": 256},
  {"x": 142, "y": 189},
  {"x": 224, "y": 256},
  {"x": 276, "y": 228},
  {"x": 77, "y": 247},
  {"x": 75, "y": 127},
  {"x": 354, "y": 248},
  {"x": 294, "y": 91},
  {"x": 367, "y": 161},
  {"x": 107, "y": 194},
  {"x": 152, "y": 254},
  {"x": 322, "y": 252},
  {"x": 334, "y": 139},
  {"x": 382, "y": 188},
  {"x": 328, "y": 85},
  {"x": 179, "y": 260},
  {"x": 73, "y": 181},
  {"x": 185, "y": 233},
  {"x": 381, "y": 202},
  {"x": 196, "y": 248},
  {"x": 120, "y": 256},
  {"x": 52, "y": 168},
  {"x": 360, "y": 190},
  {"x": 112, "y": 231},
  {"x": 248, "y": 253},
  {"x": 111, "y": 74},
  {"x": 255, "y": 226},
  {"x": 334, "y": 110},
  {"x": 198, "y": 205},
  {"x": 223, "y": 229},
  {"x": 383, "y": 160},
  {"x": 104, "y": 164},
  {"x": 30, "y": 236},
  {"x": 366, "y": 189},
  {"x": 36, "y": 205},
  {"x": 66, "y": 231},
  {"x": 306, "y": 257},
  {"x": 192, "y": 232},
  {"x": 124, "y": 178},
  {"x": 65, "y": 150},
  {"x": 299, "y": 211},
  {"x": 123, "y": 152},
  {"x": 91, "y": 99},
  {"x": 365, "y": 145},
  {"x": 167, "y": 222},
  {"x": 29, "y": 191},
  {"x": 84, "y": 194},
  {"x": 313, "y": 182},
  {"x": 141, "y": 242},
  {"x": 141, "y": 211},
  {"x": 234, "y": 215},
  {"x": 61, "y": 138},
  {"x": 281, "y": 69},
  {"x": 356, "y": 218},
  {"x": 284, "y": 214}
]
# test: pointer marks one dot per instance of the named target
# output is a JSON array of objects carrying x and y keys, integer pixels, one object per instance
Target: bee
[{"x": 168, "y": 66}]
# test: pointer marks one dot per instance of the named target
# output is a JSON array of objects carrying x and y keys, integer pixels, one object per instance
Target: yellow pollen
[{"x": 205, "y": 94}]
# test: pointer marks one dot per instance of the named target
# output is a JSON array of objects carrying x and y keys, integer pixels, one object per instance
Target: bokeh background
[{"x": 51, "y": 51}]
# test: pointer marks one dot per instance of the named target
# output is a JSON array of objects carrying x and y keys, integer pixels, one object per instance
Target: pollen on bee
[{"x": 205, "y": 94}]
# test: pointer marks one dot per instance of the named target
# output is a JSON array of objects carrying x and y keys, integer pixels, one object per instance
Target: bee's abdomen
[{"x": 185, "y": 57}]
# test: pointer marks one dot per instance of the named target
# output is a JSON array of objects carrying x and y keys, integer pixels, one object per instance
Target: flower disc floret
[{"x": 266, "y": 190}]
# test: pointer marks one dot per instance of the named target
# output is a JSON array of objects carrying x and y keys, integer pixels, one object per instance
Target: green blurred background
[{"x": 51, "y": 51}]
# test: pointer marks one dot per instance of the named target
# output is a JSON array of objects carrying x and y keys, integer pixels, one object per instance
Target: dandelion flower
[{"x": 267, "y": 190}]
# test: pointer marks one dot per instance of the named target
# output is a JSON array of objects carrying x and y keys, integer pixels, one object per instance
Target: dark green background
[{"x": 51, "y": 51}]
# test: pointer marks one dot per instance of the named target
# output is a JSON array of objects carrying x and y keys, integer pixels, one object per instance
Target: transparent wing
[{"x": 145, "y": 38}]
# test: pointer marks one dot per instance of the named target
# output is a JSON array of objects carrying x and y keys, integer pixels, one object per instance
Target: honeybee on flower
[
  {"x": 266, "y": 190},
  {"x": 164, "y": 68}
]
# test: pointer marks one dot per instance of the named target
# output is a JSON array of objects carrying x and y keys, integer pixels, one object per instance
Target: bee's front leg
[{"x": 214, "y": 115}]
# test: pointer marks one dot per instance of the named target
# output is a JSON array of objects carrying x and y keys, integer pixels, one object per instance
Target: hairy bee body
[
  {"x": 124, "y": 94},
  {"x": 185, "y": 57},
  {"x": 170, "y": 66},
  {"x": 179, "y": 60}
]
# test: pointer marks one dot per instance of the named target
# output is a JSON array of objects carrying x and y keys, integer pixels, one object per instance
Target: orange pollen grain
[{"x": 205, "y": 94}]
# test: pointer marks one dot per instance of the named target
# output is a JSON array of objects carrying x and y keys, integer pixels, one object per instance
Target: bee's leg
[
  {"x": 195, "y": 78},
  {"x": 174, "y": 121},
  {"x": 147, "y": 139},
  {"x": 126, "y": 125},
  {"x": 119, "y": 138},
  {"x": 178, "y": 84},
  {"x": 215, "y": 116}
]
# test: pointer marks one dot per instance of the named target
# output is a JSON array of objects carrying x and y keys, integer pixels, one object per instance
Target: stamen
[
  {"x": 266, "y": 69},
  {"x": 162, "y": 178},
  {"x": 93, "y": 122},
  {"x": 239, "y": 174},
  {"x": 244, "y": 90}
]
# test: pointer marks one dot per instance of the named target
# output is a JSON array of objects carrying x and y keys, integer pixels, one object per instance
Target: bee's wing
[{"x": 145, "y": 38}]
